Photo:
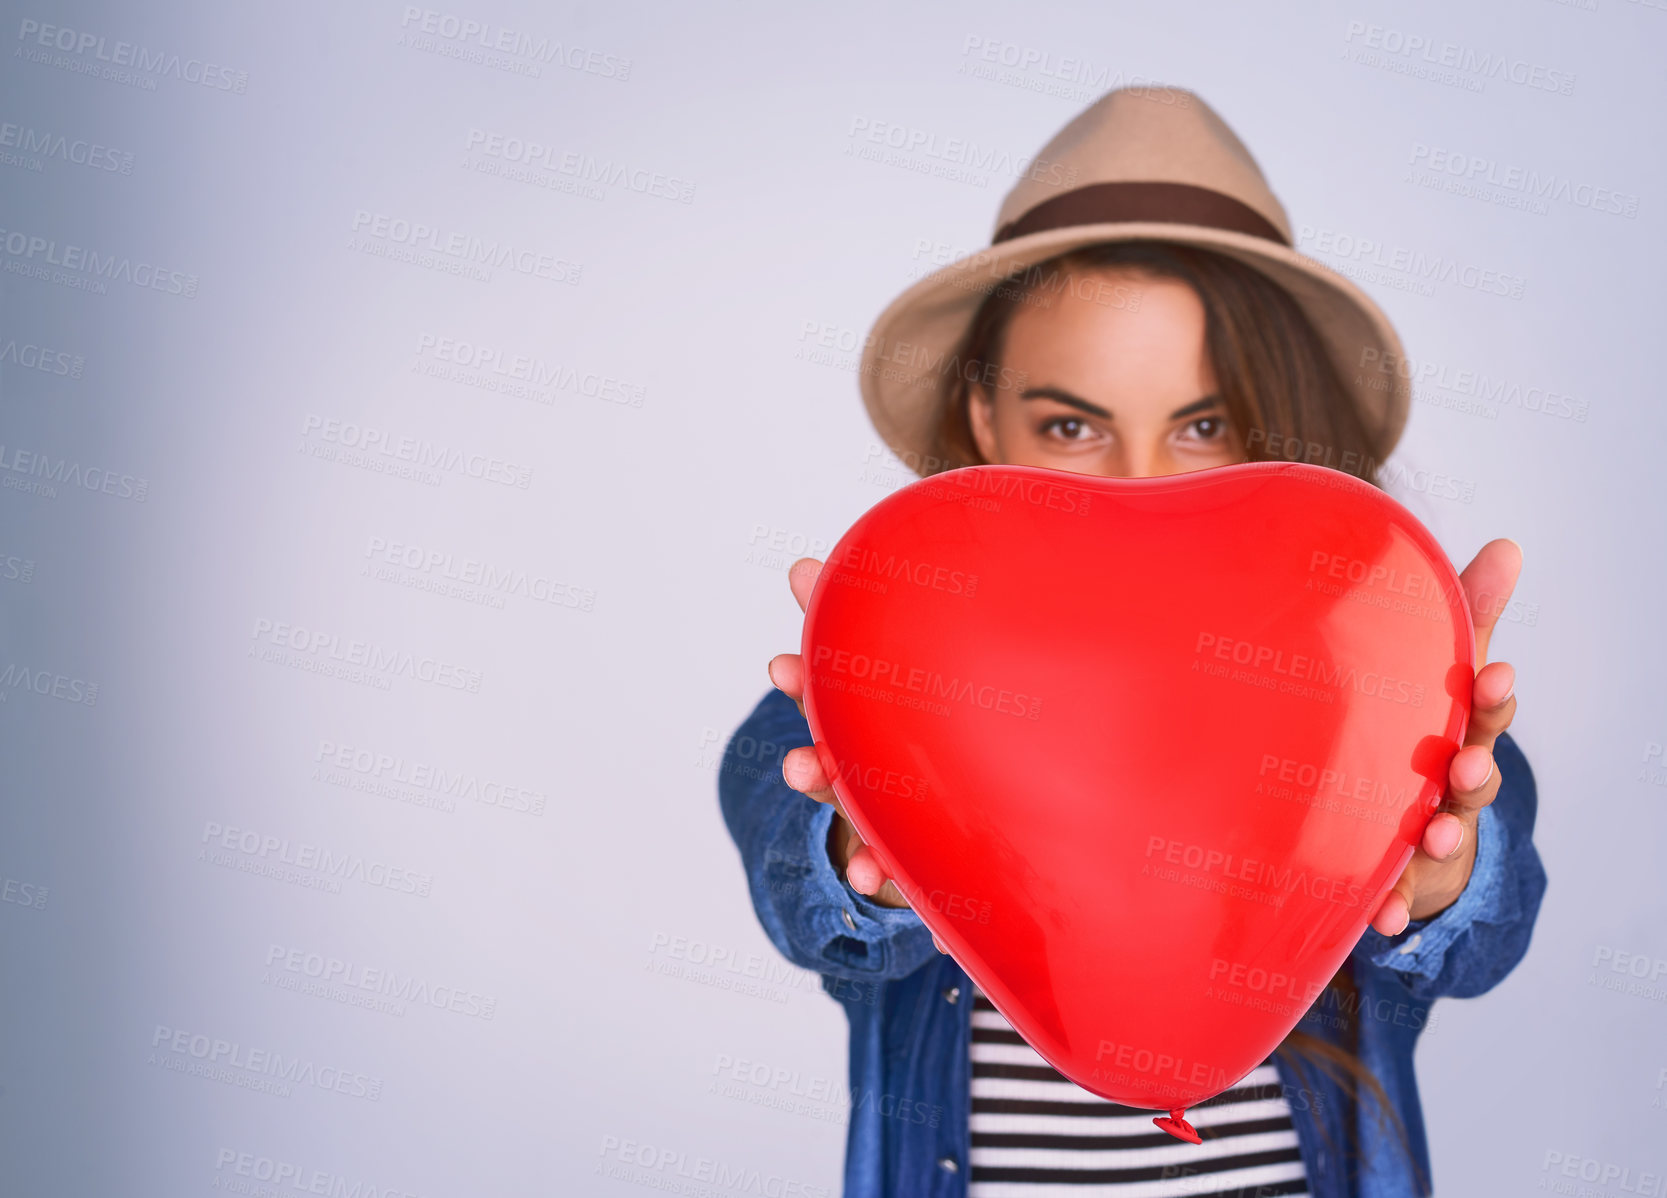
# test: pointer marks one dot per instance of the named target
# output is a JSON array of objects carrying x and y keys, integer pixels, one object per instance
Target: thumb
[
  {"x": 801, "y": 579},
  {"x": 1488, "y": 582}
]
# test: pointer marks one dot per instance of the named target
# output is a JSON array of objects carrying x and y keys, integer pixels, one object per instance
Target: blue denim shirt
[{"x": 910, "y": 1008}]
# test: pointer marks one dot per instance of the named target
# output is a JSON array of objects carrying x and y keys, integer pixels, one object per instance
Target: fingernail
[{"x": 1483, "y": 781}]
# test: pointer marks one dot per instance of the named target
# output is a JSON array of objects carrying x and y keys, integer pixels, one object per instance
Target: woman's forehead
[{"x": 1155, "y": 350}]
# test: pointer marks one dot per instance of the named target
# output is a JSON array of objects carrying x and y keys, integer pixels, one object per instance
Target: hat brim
[{"x": 913, "y": 342}]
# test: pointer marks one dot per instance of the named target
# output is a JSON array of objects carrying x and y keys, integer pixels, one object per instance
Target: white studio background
[{"x": 700, "y": 430}]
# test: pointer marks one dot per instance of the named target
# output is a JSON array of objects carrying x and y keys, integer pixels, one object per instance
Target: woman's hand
[
  {"x": 1440, "y": 866},
  {"x": 803, "y": 771}
]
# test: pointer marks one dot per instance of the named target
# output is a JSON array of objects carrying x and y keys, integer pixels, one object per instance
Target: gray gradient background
[{"x": 573, "y": 921}]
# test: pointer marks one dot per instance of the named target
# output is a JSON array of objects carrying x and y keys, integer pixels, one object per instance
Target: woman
[{"x": 1140, "y": 312}]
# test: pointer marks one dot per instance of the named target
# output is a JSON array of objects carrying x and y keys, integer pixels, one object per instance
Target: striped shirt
[{"x": 1036, "y": 1133}]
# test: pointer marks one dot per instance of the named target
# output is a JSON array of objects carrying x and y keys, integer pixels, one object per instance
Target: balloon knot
[{"x": 1175, "y": 1123}]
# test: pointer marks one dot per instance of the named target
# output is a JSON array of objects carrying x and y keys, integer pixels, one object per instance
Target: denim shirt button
[
  {"x": 1417, "y": 937},
  {"x": 948, "y": 1165},
  {"x": 849, "y": 922},
  {"x": 952, "y": 994}
]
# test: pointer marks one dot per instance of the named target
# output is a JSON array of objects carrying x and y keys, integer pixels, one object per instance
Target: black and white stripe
[{"x": 1036, "y": 1133}]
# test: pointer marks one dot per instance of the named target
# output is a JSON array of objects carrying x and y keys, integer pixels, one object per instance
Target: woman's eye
[
  {"x": 1067, "y": 428},
  {"x": 1208, "y": 428}
]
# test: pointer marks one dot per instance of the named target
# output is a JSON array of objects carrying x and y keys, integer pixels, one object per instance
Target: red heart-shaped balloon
[{"x": 1144, "y": 754}]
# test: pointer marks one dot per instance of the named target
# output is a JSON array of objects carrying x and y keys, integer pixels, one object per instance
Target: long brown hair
[
  {"x": 1283, "y": 394},
  {"x": 1287, "y": 400}
]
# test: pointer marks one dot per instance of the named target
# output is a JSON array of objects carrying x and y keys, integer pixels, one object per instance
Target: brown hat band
[{"x": 1170, "y": 203}]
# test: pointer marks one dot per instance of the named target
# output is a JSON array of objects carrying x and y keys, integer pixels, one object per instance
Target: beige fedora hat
[{"x": 1143, "y": 163}]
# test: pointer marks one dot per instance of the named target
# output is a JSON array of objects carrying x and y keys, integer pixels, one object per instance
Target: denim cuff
[
  {"x": 1421, "y": 948},
  {"x": 860, "y": 917}
]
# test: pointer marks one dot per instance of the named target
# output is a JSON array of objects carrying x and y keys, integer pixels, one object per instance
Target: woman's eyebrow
[
  {"x": 1065, "y": 397},
  {"x": 1197, "y": 406}
]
